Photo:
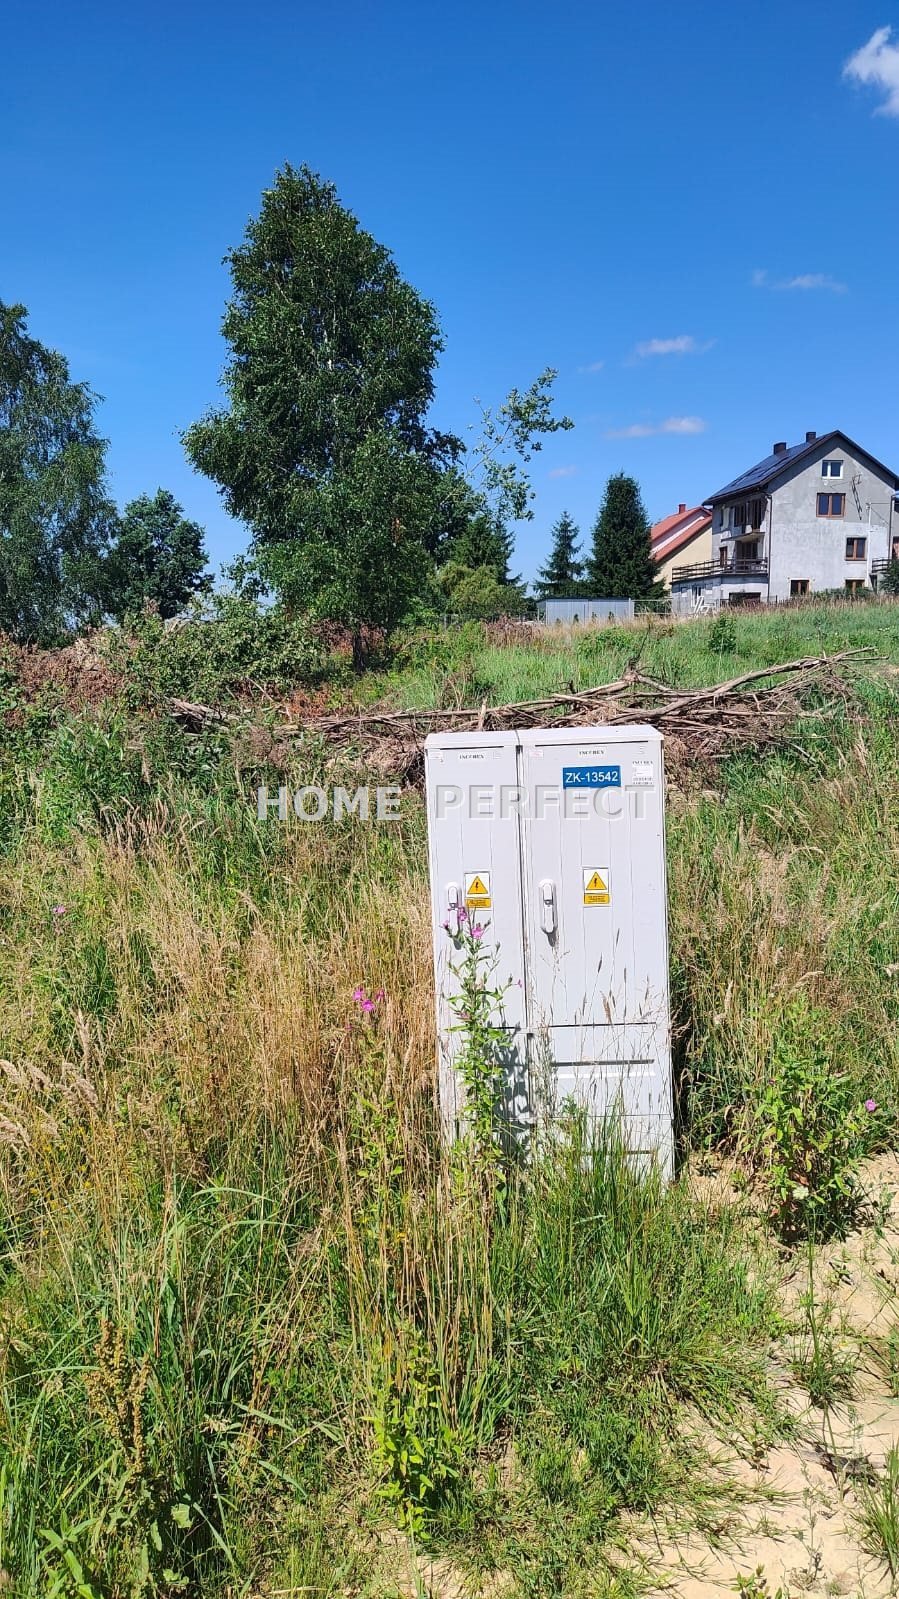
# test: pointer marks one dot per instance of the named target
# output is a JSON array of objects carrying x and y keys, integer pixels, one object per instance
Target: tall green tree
[
  {"x": 157, "y": 558},
  {"x": 563, "y": 573},
  {"x": 621, "y": 564},
  {"x": 323, "y": 448},
  {"x": 56, "y": 515}
]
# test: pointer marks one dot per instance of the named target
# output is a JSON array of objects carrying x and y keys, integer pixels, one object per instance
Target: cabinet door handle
[
  {"x": 453, "y": 907},
  {"x": 548, "y": 906}
]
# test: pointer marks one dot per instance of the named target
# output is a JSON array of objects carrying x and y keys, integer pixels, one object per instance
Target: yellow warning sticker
[
  {"x": 596, "y": 885},
  {"x": 477, "y": 890}
]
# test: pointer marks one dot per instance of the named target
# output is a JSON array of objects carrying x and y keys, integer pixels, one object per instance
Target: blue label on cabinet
[{"x": 591, "y": 776}]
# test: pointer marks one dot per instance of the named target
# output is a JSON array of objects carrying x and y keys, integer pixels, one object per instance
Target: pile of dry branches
[{"x": 753, "y": 711}]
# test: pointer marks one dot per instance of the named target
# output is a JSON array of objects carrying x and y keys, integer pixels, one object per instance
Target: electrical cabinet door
[
  {"x": 475, "y": 865},
  {"x": 596, "y": 949}
]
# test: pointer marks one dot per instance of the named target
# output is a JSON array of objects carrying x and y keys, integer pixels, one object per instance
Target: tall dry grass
[
  {"x": 249, "y": 1308},
  {"x": 241, "y": 1283}
]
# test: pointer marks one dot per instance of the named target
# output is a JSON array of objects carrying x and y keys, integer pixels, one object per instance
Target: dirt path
[{"x": 804, "y": 1527}]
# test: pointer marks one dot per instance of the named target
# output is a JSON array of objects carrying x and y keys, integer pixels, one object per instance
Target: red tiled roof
[{"x": 673, "y": 532}]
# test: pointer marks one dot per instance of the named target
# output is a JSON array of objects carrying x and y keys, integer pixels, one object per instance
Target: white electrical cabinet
[{"x": 554, "y": 841}]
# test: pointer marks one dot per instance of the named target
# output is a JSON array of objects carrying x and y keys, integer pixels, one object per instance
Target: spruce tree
[
  {"x": 561, "y": 577},
  {"x": 621, "y": 565},
  {"x": 485, "y": 542}
]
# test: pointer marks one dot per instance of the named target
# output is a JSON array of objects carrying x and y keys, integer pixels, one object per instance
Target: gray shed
[{"x": 550, "y": 611}]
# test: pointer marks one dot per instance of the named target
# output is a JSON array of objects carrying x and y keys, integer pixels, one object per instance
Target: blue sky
[{"x": 690, "y": 211}]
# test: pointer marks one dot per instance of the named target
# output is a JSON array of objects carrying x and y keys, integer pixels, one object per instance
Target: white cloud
[
  {"x": 648, "y": 430},
  {"x": 814, "y": 280},
  {"x": 592, "y": 366},
  {"x": 684, "y": 344},
  {"x": 683, "y": 424},
  {"x": 877, "y": 63},
  {"x": 563, "y": 471},
  {"x": 761, "y": 279}
]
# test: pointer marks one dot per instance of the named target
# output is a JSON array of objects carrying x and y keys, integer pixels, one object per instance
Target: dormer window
[{"x": 831, "y": 469}]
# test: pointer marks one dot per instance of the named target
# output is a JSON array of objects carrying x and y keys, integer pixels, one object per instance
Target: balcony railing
[
  {"x": 880, "y": 566},
  {"x": 700, "y": 571}
]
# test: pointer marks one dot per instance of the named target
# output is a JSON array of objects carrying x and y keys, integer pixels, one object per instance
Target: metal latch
[
  {"x": 453, "y": 906},
  {"x": 548, "y": 906}
]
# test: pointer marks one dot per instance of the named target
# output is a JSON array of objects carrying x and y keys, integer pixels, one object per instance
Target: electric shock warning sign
[
  {"x": 477, "y": 890},
  {"x": 596, "y": 885}
]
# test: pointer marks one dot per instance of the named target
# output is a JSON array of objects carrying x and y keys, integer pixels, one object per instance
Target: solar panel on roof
[
  {"x": 760, "y": 474},
  {"x": 773, "y": 465}
]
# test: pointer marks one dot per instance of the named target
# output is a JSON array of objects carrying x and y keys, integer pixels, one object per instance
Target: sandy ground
[
  {"x": 801, "y": 1525},
  {"x": 795, "y": 1517}
]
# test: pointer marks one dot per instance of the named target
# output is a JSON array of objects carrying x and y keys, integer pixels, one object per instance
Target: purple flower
[
  {"x": 367, "y": 1006},
  {"x": 870, "y": 1104},
  {"x": 477, "y": 932},
  {"x": 359, "y": 994},
  {"x": 59, "y": 910},
  {"x": 380, "y": 994}
]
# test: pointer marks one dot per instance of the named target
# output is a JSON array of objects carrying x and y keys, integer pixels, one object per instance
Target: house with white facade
[{"x": 821, "y": 515}]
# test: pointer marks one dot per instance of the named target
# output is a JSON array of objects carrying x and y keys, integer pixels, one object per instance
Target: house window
[
  {"x": 798, "y": 585},
  {"x": 748, "y": 550},
  {"x": 854, "y": 585},
  {"x": 831, "y": 469},
  {"x": 738, "y": 516},
  {"x": 756, "y": 514},
  {"x": 831, "y": 504},
  {"x": 856, "y": 549}
]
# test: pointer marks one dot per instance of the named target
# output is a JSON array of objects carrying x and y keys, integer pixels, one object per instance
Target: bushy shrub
[{"x": 222, "y": 646}]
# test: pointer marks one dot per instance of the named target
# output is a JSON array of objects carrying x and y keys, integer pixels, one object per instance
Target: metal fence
[{"x": 577, "y": 610}]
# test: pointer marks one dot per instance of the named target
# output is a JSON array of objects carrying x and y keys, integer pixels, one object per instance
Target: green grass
[
  {"x": 464, "y": 665},
  {"x": 251, "y": 1317}
]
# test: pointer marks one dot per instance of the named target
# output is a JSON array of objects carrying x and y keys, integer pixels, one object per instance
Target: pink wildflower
[
  {"x": 380, "y": 994},
  {"x": 59, "y": 910},
  {"x": 477, "y": 932},
  {"x": 367, "y": 1006},
  {"x": 870, "y": 1104},
  {"x": 359, "y": 994}
]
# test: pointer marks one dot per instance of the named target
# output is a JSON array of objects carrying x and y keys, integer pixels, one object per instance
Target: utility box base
[{"x": 554, "y": 842}]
